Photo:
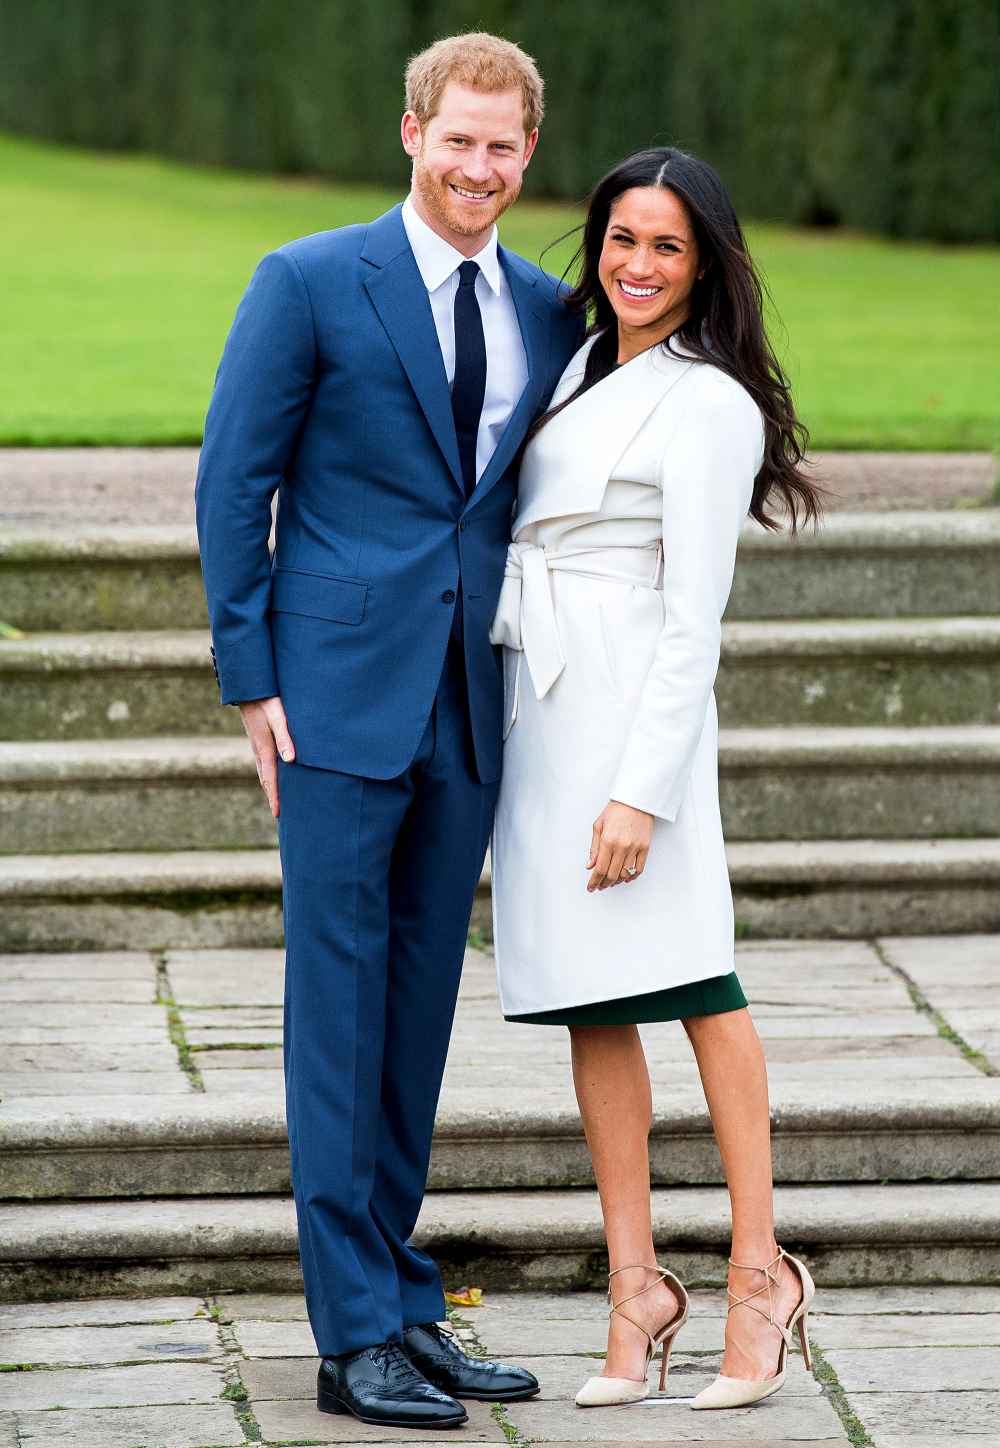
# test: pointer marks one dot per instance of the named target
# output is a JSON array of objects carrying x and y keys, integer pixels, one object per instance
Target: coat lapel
[
  {"x": 400, "y": 298},
  {"x": 534, "y": 323},
  {"x": 569, "y": 463}
]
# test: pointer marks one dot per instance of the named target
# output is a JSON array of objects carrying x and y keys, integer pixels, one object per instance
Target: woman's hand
[{"x": 619, "y": 846}]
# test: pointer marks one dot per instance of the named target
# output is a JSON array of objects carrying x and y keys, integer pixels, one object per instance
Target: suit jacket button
[{"x": 448, "y": 596}]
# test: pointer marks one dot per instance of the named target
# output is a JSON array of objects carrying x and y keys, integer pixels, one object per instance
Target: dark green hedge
[{"x": 878, "y": 114}]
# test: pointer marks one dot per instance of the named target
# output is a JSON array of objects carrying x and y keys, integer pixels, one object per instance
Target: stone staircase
[
  {"x": 859, "y": 695},
  {"x": 142, "y": 1139}
]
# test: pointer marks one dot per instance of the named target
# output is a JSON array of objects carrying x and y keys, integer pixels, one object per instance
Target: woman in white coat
[{"x": 671, "y": 423}]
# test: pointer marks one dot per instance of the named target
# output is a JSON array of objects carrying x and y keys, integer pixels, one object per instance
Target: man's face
[{"x": 469, "y": 159}]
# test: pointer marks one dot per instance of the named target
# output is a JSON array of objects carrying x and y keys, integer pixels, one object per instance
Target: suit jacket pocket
[{"x": 316, "y": 595}]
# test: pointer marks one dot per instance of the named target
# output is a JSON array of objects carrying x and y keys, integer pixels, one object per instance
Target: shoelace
[{"x": 390, "y": 1357}]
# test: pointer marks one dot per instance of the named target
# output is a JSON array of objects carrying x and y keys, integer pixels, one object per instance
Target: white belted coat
[{"x": 624, "y": 542}]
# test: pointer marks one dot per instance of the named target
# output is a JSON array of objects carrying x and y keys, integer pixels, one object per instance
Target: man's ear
[
  {"x": 410, "y": 133},
  {"x": 529, "y": 145}
]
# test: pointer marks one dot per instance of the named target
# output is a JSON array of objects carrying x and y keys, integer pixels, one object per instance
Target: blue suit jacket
[{"x": 332, "y": 390}]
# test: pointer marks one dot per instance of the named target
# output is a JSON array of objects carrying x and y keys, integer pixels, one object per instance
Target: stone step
[
  {"x": 856, "y": 565},
  {"x": 795, "y": 783},
  {"x": 837, "y": 888},
  {"x": 903, "y": 671},
  {"x": 234, "y": 1142},
  {"x": 849, "y": 1235}
]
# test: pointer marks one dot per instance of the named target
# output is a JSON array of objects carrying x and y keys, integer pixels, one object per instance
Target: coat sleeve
[
  {"x": 262, "y": 392},
  {"x": 706, "y": 475}
]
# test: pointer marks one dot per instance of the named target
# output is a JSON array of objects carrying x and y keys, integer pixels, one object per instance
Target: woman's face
[{"x": 649, "y": 262}]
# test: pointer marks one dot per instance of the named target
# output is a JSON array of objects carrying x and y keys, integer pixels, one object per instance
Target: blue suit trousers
[{"x": 379, "y": 881}]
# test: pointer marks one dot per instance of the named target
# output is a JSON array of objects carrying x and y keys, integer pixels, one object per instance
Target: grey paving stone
[
  {"x": 190, "y": 1340},
  {"x": 858, "y": 1301},
  {"x": 99, "y": 1057},
  {"x": 93, "y": 1083},
  {"x": 890, "y": 1330},
  {"x": 896, "y": 1415},
  {"x": 235, "y": 1017},
  {"x": 263, "y": 1060},
  {"x": 84, "y": 1018},
  {"x": 240, "y": 1081},
  {"x": 232, "y": 1036},
  {"x": 99, "y": 1311},
  {"x": 914, "y": 1369},
  {"x": 286, "y": 1339},
  {"x": 111, "y": 1387},
  {"x": 261, "y": 1306},
  {"x": 670, "y": 1418},
  {"x": 880, "y": 1023},
  {"x": 78, "y": 965},
  {"x": 114, "y": 991},
  {"x": 212, "y": 1424},
  {"x": 227, "y": 977},
  {"x": 945, "y": 960},
  {"x": 293, "y": 1377},
  {"x": 937, "y": 1440},
  {"x": 40, "y": 1033},
  {"x": 8, "y": 1431},
  {"x": 298, "y": 1420}
]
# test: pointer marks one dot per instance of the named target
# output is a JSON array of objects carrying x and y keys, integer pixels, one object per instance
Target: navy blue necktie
[{"x": 469, "y": 388}]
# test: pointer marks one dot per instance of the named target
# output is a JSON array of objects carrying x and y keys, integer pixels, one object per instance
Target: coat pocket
[{"x": 317, "y": 595}]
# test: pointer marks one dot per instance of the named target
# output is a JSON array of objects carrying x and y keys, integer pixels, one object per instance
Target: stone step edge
[
  {"x": 122, "y": 651},
  {"x": 904, "y": 531},
  {"x": 960, "y": 1214},
  {"x": 214, "y": 872},
  {"x": 198, "y": 757},
  {"x": 62, "y": 1123}
]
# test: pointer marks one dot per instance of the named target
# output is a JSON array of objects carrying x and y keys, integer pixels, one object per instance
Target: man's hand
[
  {"x": 265, "y": 723},
  {"x": 619, "y": 846}
]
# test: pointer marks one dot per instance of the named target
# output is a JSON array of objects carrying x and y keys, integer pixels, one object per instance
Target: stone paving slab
[
  {"x": 39, "y": 1033},
  {"x": 79, "y": 1057},
  {"x": 912, "y": 1369},
  {"x": 92, "y": 1083},
  {"x": 102, "y": 1311},
  {"x": 893, "y": 1419},
  {"x": 78, "y": 965},
  {"x": 85, "y": 992},
  {"x": 122, "y": 1387},
  {"x": 895, "y": 1330},
  {"x": 208, "y": 1426},
  {"x": 192, "y": 1341}
]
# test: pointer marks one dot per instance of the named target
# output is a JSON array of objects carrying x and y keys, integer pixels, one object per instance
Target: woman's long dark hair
[{"x": 725, "y": 326}]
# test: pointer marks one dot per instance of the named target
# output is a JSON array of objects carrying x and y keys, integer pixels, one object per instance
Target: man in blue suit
[{"x": 381, "y": 378}]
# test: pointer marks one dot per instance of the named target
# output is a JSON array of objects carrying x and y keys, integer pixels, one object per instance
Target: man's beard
[{"x": 445, "y": 207}]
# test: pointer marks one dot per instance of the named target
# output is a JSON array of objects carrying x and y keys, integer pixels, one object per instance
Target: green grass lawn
[{"x": 121, "y": 274}]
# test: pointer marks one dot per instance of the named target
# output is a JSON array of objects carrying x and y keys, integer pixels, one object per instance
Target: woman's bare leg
[
  {"x": 612, "y": 1088},
  {"x": 734, "y": 1075}
]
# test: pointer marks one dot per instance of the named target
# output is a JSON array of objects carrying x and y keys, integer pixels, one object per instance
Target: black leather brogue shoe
[
  {"x": 380, "y": 1385},
  {"x": 437, "y": 1355}
]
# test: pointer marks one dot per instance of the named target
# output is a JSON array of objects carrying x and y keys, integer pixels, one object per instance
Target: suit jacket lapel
[
  {"x": 534, "y": 322},
  {"x": 400, "y": 298}
]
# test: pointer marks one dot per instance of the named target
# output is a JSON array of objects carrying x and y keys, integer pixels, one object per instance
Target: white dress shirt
[{"x": 506, "y": 362}]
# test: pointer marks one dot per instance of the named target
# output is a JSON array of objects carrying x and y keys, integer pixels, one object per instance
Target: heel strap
[
  {"x": 768, "y": 1285},
  {"x": 662, "y": 1273}
]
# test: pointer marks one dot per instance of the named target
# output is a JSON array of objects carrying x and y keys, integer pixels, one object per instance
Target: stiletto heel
[
  {"x": 728, "y": 1392},
  {"x": 804, "y": 1340},
  {"x": 604, "y": 1392}
]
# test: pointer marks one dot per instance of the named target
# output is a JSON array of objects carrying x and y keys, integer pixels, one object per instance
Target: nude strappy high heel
[
  {"x": 602, "y": 1392},
  {"x": 741, "y": 1392}
]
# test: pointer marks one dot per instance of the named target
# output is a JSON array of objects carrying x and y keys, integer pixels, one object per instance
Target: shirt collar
[{"x": 437, "y": 259}]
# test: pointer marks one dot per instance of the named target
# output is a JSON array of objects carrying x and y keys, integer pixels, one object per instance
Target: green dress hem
[{"x": 710, "y": 997}]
